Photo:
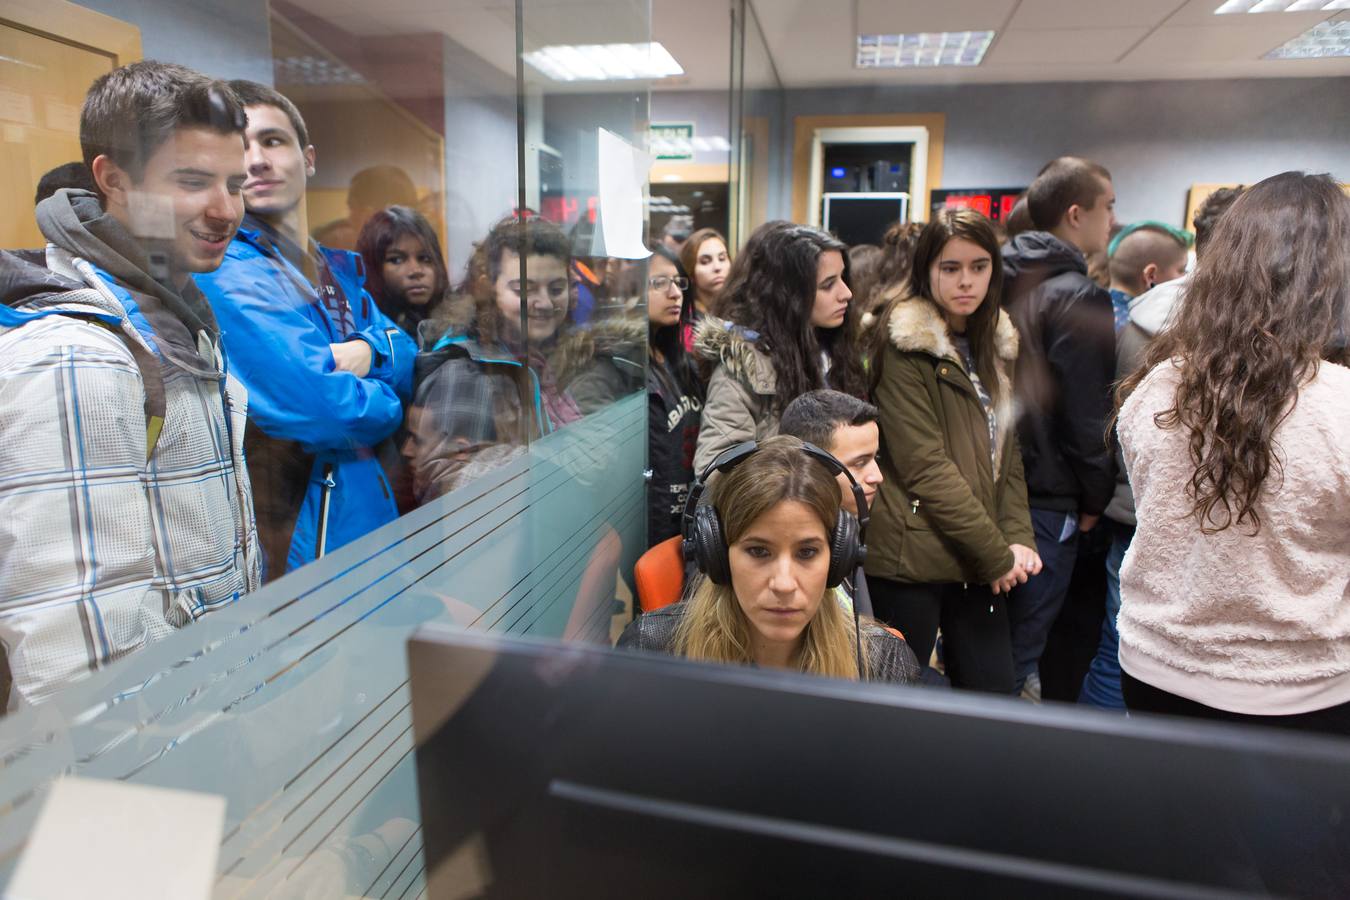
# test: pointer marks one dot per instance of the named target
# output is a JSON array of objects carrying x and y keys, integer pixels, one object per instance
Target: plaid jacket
[
  {"x": 474, "y": 409},
  {"x": 113, "y": 532}
]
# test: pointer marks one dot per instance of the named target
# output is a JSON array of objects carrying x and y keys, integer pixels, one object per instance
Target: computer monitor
[
  {"x": 552, "y": 770},
  {"x": 862, "y": 218}
]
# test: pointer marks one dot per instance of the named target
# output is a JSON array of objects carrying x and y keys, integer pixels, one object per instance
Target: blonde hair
[{"x": 714, "y": 628}]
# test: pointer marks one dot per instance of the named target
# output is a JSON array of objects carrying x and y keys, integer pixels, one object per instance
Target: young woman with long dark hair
[
  {"x": 674, "y": 395},
  {"x": 951, "y": 532},
  {"x": 706, "y": 261},
  {"x": 784, "y": 326},
  {"x": 405, "y": 271},
  {"x": 776, "y": 510},
  {"x": 1235, "y": 592}
]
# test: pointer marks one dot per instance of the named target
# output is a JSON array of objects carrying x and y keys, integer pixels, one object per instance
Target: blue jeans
[
  {"x": 1101, "y": 687},
  {"x": 1034, "y": 606}
]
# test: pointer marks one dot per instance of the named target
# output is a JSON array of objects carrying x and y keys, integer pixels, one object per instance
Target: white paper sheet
[
  {"x": 623, "y": 172},
  {"x": 119, "y": 841}
]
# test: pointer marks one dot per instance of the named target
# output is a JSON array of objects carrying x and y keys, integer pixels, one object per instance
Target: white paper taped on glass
[{"x": 623, "y": 175}]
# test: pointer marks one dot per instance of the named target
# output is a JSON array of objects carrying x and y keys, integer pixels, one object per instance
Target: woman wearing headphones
[
  {"x": 773, "y": 545},
  {"x": 784, "y": 326},
  {"x": 952, "y": 532}
]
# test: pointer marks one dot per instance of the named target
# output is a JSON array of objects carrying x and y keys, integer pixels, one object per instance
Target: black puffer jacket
[
  {"x": 889, "y": 658},
  {"x": 1063, "y": 374}
]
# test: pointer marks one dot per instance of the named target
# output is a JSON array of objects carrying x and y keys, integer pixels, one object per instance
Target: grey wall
[
  {"x": 480, "y": 151},
  {"x": 1157, "y": 138},
  {"x": 225, "y": 40}
]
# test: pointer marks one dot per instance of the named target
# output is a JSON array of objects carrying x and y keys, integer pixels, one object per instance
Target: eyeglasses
[{"x": 662, "y": 283}]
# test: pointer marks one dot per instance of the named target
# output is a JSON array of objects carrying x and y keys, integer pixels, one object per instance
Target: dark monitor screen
[
  {"x": 861, "y": 219},
  {"x": 550, "y": 770}
]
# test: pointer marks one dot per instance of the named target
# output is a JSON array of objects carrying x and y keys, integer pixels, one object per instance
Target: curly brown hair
[
  {"x": 1269, "y": 300},
  {"x": 771, "y": 289}
]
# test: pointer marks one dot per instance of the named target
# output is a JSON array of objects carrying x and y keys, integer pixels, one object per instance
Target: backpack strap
[{"x": 147, "y": 364}]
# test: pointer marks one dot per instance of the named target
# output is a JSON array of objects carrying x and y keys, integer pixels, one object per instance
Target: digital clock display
[{"x": 996, "y": 203}]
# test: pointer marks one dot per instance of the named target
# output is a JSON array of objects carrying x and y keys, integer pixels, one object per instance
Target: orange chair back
[{"x": 659, "y": 575}]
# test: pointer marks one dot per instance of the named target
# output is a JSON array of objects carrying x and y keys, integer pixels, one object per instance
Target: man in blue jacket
[{"x": 327, "y": 373}]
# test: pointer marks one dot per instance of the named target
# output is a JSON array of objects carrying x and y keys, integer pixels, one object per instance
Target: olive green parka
[{"x": 943, "y": 513}]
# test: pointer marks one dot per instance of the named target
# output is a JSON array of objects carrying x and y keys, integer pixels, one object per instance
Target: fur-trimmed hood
[
  {"x": 720, "y": 341},
  {"x": 620, "y": 338},
  {"x": 916, "y": 325}
]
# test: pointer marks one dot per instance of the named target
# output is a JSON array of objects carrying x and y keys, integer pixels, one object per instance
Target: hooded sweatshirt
[
  {"x": 1149, "y": 313},
  {"x": 1063, "y": 375},
  {"x": 117, "y": 524}
]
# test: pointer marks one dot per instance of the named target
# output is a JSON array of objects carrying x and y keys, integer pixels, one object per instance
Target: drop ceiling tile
[
  {"x": 913, "y": 16},
  {"x": 1210, "y": 44},
  {"x": 1068, "y": 46},
  {"x": 1093, "y": 13}
]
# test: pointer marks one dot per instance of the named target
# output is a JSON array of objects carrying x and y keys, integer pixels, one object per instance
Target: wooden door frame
[{"x": 78, "y": 26}]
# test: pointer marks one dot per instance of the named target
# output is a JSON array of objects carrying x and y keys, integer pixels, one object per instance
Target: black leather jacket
[
  {"x": 1064, "y": 372},
  {"x": 890, "y": 659}
]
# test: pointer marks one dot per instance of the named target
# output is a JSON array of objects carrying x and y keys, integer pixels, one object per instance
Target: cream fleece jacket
[{"x": 1256, "y": 624}]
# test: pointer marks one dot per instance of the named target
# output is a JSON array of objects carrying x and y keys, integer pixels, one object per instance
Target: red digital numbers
[{"x": 982, "y": 203}]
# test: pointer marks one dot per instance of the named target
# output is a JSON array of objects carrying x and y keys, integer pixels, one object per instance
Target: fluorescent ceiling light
[
  {"x": 313, "y": 70},
  {"x": 929, "y": 48},
  {"x": 1265, "y": 6},
  {"x": 714, "y": 144},
  {"x": 1325, "y": 39},
  {"x": 604, "y": 62}
]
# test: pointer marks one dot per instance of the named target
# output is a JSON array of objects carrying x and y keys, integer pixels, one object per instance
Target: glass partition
[
  {"x": 484, "y": 218},
  {"x": 757, "y": 122}
]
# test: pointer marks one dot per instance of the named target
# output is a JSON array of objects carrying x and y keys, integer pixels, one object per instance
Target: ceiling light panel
[
  {"x": 929, "y": 48},
  {"x": 604, "y": 62},
  {"x": 1323, "y": 41},
  {"x": 1267, "y": 6}
]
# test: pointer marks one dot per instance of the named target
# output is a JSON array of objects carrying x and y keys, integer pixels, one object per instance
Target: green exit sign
[{"x": 672, "y": 140}]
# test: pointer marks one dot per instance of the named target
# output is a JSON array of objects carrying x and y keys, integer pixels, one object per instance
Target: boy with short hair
[
  {"x": 125, "y": 509},
  {"x": 327, "y": 372},
  {"x": 1144, "y": 255},
  {"x": 1062, "y": 383},
  {"x": 847, "y": 429}
]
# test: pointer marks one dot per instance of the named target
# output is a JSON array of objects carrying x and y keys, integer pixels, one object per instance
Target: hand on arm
[{"x": 352, "y": 356}]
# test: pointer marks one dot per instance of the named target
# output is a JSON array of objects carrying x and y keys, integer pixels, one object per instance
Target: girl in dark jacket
[
  {"x": 482, "y": 387},
  {"x": 951, "y": 533},
  {"x": 674, "y": 396},
  {"x": 405, "y": 271}
]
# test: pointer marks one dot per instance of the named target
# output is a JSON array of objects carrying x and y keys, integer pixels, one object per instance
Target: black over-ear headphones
[{"x": 705, "y": 541}]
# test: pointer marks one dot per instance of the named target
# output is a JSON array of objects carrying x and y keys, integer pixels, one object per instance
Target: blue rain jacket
[{"x": 276, "y": 333}]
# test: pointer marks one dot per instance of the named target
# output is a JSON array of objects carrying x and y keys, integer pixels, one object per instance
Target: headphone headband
[{"x": 731, "y": 457}]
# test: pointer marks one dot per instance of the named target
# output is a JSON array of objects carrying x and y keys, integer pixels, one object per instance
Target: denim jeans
[
  {"x": 1033, "y": 607},
  {"x": 1101, "y": 687}
]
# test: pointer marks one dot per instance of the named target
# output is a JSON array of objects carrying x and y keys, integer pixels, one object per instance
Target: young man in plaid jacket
[{"x": 125, "y": 508}]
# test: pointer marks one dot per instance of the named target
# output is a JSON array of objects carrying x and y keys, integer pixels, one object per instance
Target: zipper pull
[{"x": 914, "y": 507}]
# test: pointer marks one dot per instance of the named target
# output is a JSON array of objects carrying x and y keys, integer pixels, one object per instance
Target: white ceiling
[{"x": 811, "y": 43}]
